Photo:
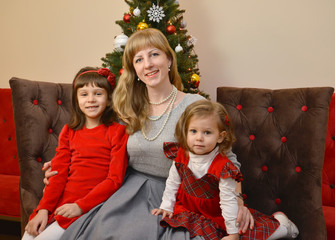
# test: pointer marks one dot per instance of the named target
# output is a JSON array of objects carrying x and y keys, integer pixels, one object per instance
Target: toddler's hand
[
  {"x": 235, "y": 236},
  {"x": 69, "y": 210},
  {"x": 165, "y": 213}
]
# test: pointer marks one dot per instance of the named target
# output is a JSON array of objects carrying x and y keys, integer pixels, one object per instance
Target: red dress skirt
[{"x": 198, "y": 202}]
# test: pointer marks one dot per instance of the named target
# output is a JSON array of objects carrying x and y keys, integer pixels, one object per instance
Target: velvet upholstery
[
  {"x": 280, "y": 143},
  {"x": 40, "y": 110},
  {"x": 9, "y": 167},
  {"x": 328, "y": 174}
]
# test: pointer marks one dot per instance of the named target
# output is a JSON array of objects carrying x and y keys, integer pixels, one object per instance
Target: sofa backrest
[
  {"x": 280, "y": 143},
  {"x": 8, "y": 152},
  {"x": 41, "y": 109}
]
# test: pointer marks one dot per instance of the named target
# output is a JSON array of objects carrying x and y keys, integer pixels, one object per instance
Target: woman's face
[{"x": 152, "y": 66}]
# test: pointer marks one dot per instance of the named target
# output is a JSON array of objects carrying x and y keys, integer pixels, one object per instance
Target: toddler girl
[
  {"x": 91, "y": 158},
  {"x": 200, "y": 190}
]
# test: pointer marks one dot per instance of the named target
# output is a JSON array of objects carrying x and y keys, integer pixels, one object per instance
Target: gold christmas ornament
[
  {"x": 142, "y": 25},
  {"x": 195, "y": 80}
]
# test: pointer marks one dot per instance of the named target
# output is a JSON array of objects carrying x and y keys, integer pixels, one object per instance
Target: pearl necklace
[
  {"x": 173, "y": 92},
  {"x": 165, "y": 99},
  {"x": 171, "y": 103}
]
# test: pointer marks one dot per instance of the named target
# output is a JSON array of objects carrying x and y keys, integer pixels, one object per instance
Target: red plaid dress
[{"x": 197, "y": 205}]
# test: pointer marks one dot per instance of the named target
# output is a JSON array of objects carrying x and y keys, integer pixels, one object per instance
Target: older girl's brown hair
[
  {"x": 131, "y": 98},
  {"x": 203, "y": 108},
  {"x": 77, "y": 119}
]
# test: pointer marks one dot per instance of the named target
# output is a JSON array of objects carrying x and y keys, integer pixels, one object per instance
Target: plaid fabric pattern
[
  {"x": 264, "y": 226},
  {"x": 170, "y": 149},
  {"x": 196, "y": 224},
  {"x": 230, "y": 170},
  {"x": 205, "y": 187}
]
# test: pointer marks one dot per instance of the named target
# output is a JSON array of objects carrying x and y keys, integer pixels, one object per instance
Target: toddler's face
[{"x": 203, "y": 134}]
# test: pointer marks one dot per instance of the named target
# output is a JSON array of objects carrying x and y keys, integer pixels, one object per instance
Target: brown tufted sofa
[
  {"x": 280, "y": 144},
  {"x": 281, "y": 139},
  {"x": 40, "y": 111}
]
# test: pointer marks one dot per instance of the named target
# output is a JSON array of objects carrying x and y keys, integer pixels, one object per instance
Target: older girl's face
[{"x": 152, "y": 66}]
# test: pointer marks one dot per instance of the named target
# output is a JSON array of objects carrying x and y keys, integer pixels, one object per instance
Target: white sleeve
[
  {"x": 171, "y": 188},
  {"x": 228, "y": 204}
]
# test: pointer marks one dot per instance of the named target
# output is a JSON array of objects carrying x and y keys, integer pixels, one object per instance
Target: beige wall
[{"x": 254, "y": 43}]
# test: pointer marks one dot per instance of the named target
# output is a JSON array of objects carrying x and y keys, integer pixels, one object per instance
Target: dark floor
[{"x": 10, "y": 230}]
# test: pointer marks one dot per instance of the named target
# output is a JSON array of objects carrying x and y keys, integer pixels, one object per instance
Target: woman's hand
[
  {"x": 163, "y": 212},
  {"x": 244, "y": 218},
  {"x": 36, "y": 225},
  {"x": 48, "y": 173},
  {"x": 69, "y": 210}
]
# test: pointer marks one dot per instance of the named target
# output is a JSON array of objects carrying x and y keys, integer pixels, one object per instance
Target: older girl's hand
[
  {"x": 244, "y": 218},
  {"x": 48, "y": 173}
]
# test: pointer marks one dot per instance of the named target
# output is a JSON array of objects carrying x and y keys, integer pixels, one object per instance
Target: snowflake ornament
[
  {"x": 156, "y": 13},
  {"x": 191, "y": 40}
]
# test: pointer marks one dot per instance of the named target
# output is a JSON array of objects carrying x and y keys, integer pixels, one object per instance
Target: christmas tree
[{"x": 166, "y": 16}]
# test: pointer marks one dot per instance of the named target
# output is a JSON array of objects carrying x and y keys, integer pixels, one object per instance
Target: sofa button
[
  {"x": 252, "y": 137},
  {"x": 50, "y": 130},
  {"x": 283, "y": 139},
  {"x": 239, "y": 107},
  {"x": 270, "y": 109},
  {"x": 332, "y": 186},
  {"x": 304, "y": 108},
  {"x": 59, "y": 102},
  {"x": 264, "y": 168},
  {"x": 298, "y": 169},
  {"x": 35, "y": 102},
  {"x": 278, "y": 201},
  {"x": 39, "y": 159}
]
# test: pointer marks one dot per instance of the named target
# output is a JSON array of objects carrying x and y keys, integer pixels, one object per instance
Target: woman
[{"x": 149, "y": 99}]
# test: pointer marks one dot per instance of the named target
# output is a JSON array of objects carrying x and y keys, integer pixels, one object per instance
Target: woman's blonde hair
[
  {"x": 202, "y": 108},
  {"x": 77, "y": 119},
  {"x": 131, "y": 98}
]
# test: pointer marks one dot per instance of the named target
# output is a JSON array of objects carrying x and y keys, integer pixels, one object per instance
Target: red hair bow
[{"x": 108, "y": 74}]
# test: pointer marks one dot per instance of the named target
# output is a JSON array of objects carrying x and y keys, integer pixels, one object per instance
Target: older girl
[{"x": 91, "y": 158}]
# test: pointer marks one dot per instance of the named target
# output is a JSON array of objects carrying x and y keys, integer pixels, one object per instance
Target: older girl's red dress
[
  {"x": 197, "y": 205},
  {"x": 91, "y": 165}
]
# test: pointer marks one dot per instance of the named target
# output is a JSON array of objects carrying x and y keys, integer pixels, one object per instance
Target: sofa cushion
[
  {"x": 280, "y": 144},
  {"x": 328, "y": 173},
  {"x": 9, "y": 197},
  {"x": 8, "y": 152},
  {"x": 9, "y": 165}
]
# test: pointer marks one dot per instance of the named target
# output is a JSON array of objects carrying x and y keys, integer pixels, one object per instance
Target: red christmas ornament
[
  {"x": 170, "y": 29},
  {"x": 126, "y": 18},
  {"x": 121, "y": 71}
]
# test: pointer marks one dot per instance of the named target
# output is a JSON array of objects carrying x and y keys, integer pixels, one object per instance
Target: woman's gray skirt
[{"x": 127, "y": 214}]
